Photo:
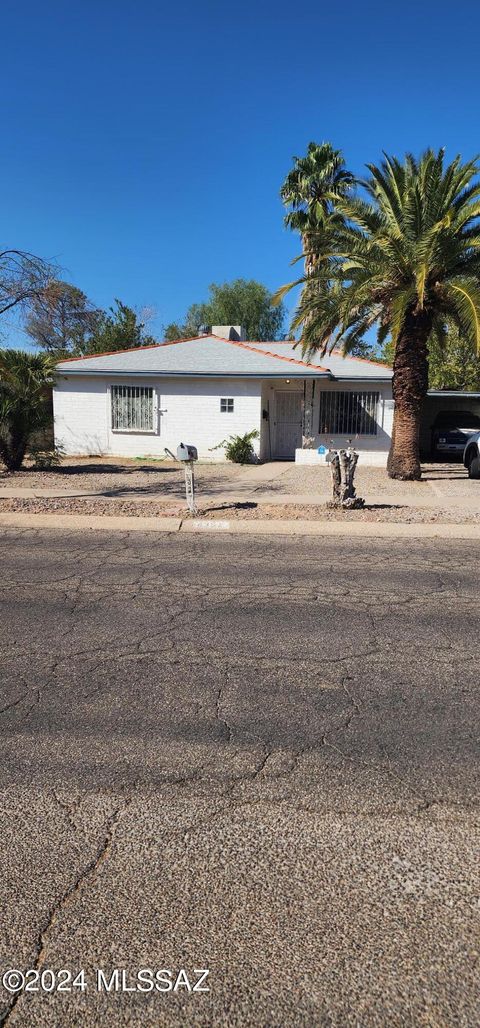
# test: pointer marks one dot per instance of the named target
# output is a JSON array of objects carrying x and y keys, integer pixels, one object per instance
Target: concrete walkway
[{"x": 261, "y": 474}]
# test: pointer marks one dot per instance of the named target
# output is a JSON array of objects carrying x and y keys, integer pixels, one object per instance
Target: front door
[{"x": 288, "y": 423}]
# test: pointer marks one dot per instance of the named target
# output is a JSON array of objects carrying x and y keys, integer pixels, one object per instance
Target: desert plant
[
  {"x": 25, "y": 379},
  {"x": 239, "y": 448},
  {"x": 44, "y": 459}
]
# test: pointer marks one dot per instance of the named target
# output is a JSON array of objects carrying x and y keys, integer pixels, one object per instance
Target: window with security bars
[
  {"x": 348, "y": 413},
  {"x": 132, "y": 409}
]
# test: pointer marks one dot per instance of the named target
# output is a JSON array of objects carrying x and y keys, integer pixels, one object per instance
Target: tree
[
  {"x": 311, "y": 192},
  {"x": 452, "y": 361},
  {"x": 367, "y": 351},
  {"x": 23, "y": 278},
  {"x": 118, "y": 329},
  {"x": 242, "y": 302},
  {"x": 408, "y": 260},
  {"x": 24, "y": 404},
  {"x": 174, "y": 331},
  {"x": 61, "y": 319},
  {"x": 198, "y": 314}
]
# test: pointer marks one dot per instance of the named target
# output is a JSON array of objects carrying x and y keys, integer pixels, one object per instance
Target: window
[
  {"x": 132, "y": 409},
  {"x": 348, "y": 413},
  {"x": 226, "y": 405}
]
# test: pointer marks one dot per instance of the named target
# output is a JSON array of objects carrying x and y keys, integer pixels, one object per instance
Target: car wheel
[{"x": 474, "y": 467}]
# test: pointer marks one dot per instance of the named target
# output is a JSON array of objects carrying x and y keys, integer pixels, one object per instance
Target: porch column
[{"x": 307, "y": 426}]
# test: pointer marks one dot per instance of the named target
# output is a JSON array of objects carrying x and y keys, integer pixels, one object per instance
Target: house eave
[
  {"x": 66, "y": 373},
  {"x": 359, "y": 378},
  {"x": 453, "y": 393}
]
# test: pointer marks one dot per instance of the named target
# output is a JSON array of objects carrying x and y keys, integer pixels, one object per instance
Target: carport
[{"x": 439, "y": 400}]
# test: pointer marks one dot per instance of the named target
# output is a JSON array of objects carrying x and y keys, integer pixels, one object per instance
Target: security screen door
[{"x": 288, "y": 423}]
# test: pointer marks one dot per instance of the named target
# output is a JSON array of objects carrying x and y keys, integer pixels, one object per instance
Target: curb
[
  {"x": 90, "y": 522},
  {"x": 357, "y": 530}
]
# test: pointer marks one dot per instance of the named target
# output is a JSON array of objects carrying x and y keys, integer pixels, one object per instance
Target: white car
[{"x": 471, "y": 456}]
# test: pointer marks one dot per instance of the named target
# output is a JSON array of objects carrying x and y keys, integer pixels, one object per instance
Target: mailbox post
[{"x": 188, "y": 455}]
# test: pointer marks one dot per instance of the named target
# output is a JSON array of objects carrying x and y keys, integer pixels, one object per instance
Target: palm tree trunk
[
  {"x": 410, "y": 386},
  {"x": 13, "y": 443},
  {"x": 310, "y": 260},
  {"x": 13, "y": 456},
  {"x": 310, "y": 266}
]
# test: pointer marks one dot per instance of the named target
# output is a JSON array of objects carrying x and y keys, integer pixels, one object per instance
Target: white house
[{"x": 135, "y": 403}]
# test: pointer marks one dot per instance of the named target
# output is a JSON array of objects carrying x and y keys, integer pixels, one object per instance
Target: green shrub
[
  {"x": 25, "y": 407},
  {"x": 238, "y": 448}
]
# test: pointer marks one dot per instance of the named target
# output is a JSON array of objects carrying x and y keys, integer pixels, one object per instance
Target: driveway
[{"x": 248, "y": 755}]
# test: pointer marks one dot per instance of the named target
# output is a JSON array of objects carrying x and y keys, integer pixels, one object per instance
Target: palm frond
[
  {"x": 464, "y": 294},
  {"x": 409, "y": 248}
]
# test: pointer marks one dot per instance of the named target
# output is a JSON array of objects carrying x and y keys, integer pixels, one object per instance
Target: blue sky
[{"x": 144, "y": 146}]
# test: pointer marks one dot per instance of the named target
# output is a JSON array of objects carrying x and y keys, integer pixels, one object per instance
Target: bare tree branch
[{"x": 23, "y": 277}]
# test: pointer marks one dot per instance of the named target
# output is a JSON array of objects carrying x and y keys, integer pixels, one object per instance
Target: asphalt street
[{"x": 256, "y": 756}]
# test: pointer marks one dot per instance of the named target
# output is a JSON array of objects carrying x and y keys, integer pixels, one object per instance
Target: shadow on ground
[{"x": 98, "y": 469}]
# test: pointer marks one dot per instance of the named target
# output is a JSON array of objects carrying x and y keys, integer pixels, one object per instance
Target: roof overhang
[
  {"x": 453, "y": 394},
  {"x": 301, "y": 375},
  {"x": 358, "y": 378}
]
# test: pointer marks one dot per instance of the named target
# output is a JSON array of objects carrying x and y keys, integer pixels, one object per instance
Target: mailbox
[{"x": 186, "y": 452}]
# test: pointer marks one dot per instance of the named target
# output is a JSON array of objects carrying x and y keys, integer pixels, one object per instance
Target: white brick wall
[
  {"x": 80, "y": 415},
  {"x": 367, "y": 458},
  {"x": 188, "y": 411}
]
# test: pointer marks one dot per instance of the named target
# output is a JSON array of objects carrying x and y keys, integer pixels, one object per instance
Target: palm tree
[
  {"x": 25, "y": 379},
  {"x": 311, "y": 191},
  {"x": 406, "y": 259}
]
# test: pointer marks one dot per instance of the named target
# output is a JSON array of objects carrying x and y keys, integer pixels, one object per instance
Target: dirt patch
[{"x": 233, "y": 511}]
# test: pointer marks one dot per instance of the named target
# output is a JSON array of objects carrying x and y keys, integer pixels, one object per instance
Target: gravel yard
[
  {"x": 118, "y": 474},
  {"x": 152, "y": 478},
  {"x": 233, "y": 511},
  {"x": 305, "y": 479}
]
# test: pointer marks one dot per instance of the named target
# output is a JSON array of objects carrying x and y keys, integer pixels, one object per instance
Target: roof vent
[{"x": 235, "y": 332}]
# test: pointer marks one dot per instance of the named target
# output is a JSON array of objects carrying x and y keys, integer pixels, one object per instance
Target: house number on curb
[{"x": 212, "y": 523}]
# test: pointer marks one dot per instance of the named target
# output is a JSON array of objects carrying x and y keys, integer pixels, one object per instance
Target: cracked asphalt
[{"x": 249, "y": 754}]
